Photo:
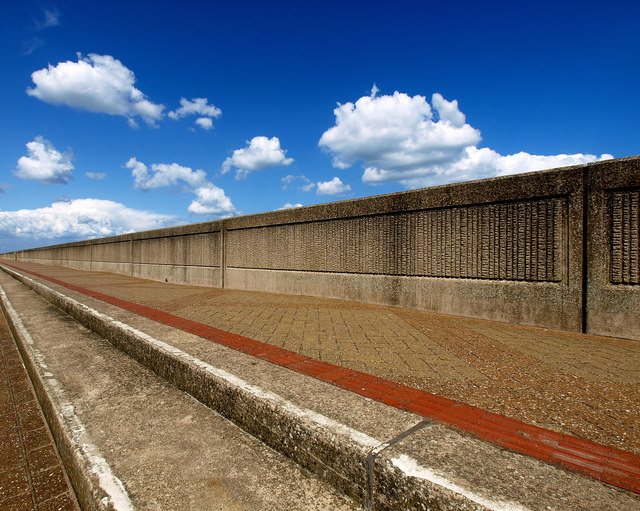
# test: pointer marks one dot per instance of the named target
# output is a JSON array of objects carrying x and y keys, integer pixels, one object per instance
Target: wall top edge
[{"x": 552, "y": 182}]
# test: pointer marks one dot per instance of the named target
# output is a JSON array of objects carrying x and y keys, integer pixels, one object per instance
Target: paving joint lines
[
  {"x": 607, "y": 464},
  {"x": 31, "y": 472},
  {"x": 303, "y": 434}
]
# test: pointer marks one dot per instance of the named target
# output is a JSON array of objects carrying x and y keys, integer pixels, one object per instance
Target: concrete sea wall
[{"x": 556, "y": 249}]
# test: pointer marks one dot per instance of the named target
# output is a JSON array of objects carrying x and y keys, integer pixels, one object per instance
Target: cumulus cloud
[
  {"x": 79, "y": 218},
  {"x": 97, "y": 83},
  {"x": 405, "y": 139},
  {"x": 163, "y": 174},
  {"x": 396, "y": 132},
  {"x": 200, "y": 107},
  {"x": 44, "y": 163},
  {"x": 333, "y": 187},
  {"x": 204, "y": 122},
  {"x": 211, "y": 201},
  {"x": 260, "y": 153}
]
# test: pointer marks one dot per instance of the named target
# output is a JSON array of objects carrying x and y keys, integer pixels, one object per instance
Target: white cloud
[
  {"x": 211, "y": 201},
  {"x": 44, "y": 163},
  {"x": 525, "y": 162},
  {"x": 395, "y": 132},
  {"x": 404, "y": 139},
  {"x": 204, "y": 122},
  {"x": 261, "y": 152},
  {"x": 97, "y": 83},
  {"x": 79, "y": 218},
  {"x": 96, "y": 175},
  {"x": 197, "y": 106},
  {"x": 163, "y": 174},
  {"x": 333, "y": 187},
  {"x": 305, "y": 183},
  {"x": 478, "y": 164},
  {"x": 288, "y": 205}
]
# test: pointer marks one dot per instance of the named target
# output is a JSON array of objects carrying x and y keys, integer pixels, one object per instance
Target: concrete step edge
[
  {"x": 94, "y": 484},
  {"x": 346, "y": 458}
]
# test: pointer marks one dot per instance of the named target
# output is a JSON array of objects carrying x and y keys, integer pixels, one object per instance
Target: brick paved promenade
[
  {"x": 31, "y": 475},
  {"x": 583, "y": 386}
]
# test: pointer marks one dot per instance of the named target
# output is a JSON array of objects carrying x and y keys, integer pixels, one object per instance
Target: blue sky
[{"x": 121, "y": 116}]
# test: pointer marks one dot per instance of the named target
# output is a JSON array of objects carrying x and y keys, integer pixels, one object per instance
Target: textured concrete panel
[
  {"x": 521, "y": 240},
  {"x": 114, "y": 252},
  {"x": 187, "y": 250},
  {"x": 612, "y": 300},
  {"x": 625, "y": 236}
]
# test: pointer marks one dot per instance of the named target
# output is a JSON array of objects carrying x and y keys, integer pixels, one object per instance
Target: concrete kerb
[
  {"x": 94, "y": 484},
  {"x": 339, "y": 454}
]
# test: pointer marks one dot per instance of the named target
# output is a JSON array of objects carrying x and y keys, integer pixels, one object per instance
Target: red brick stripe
[{"x": 606, "y": 464}]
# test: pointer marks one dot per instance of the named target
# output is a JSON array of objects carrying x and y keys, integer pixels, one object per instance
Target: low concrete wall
[{"x": 557, "y": 249}]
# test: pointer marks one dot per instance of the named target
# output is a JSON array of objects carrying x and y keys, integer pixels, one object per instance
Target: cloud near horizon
[
  {"x": 44, "y": 163},
  {"x": 400, "y": 138},
  {"x": 260, "y": 153},
  {"x": 211, "y": 201},
  {"x": 288, "y": 205},
  {"x": 97, "y": 83},
  {"x": 78, "y": 218}
]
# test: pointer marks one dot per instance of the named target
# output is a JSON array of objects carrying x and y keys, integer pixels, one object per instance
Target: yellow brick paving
[{"x": 583, "y": 385}]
